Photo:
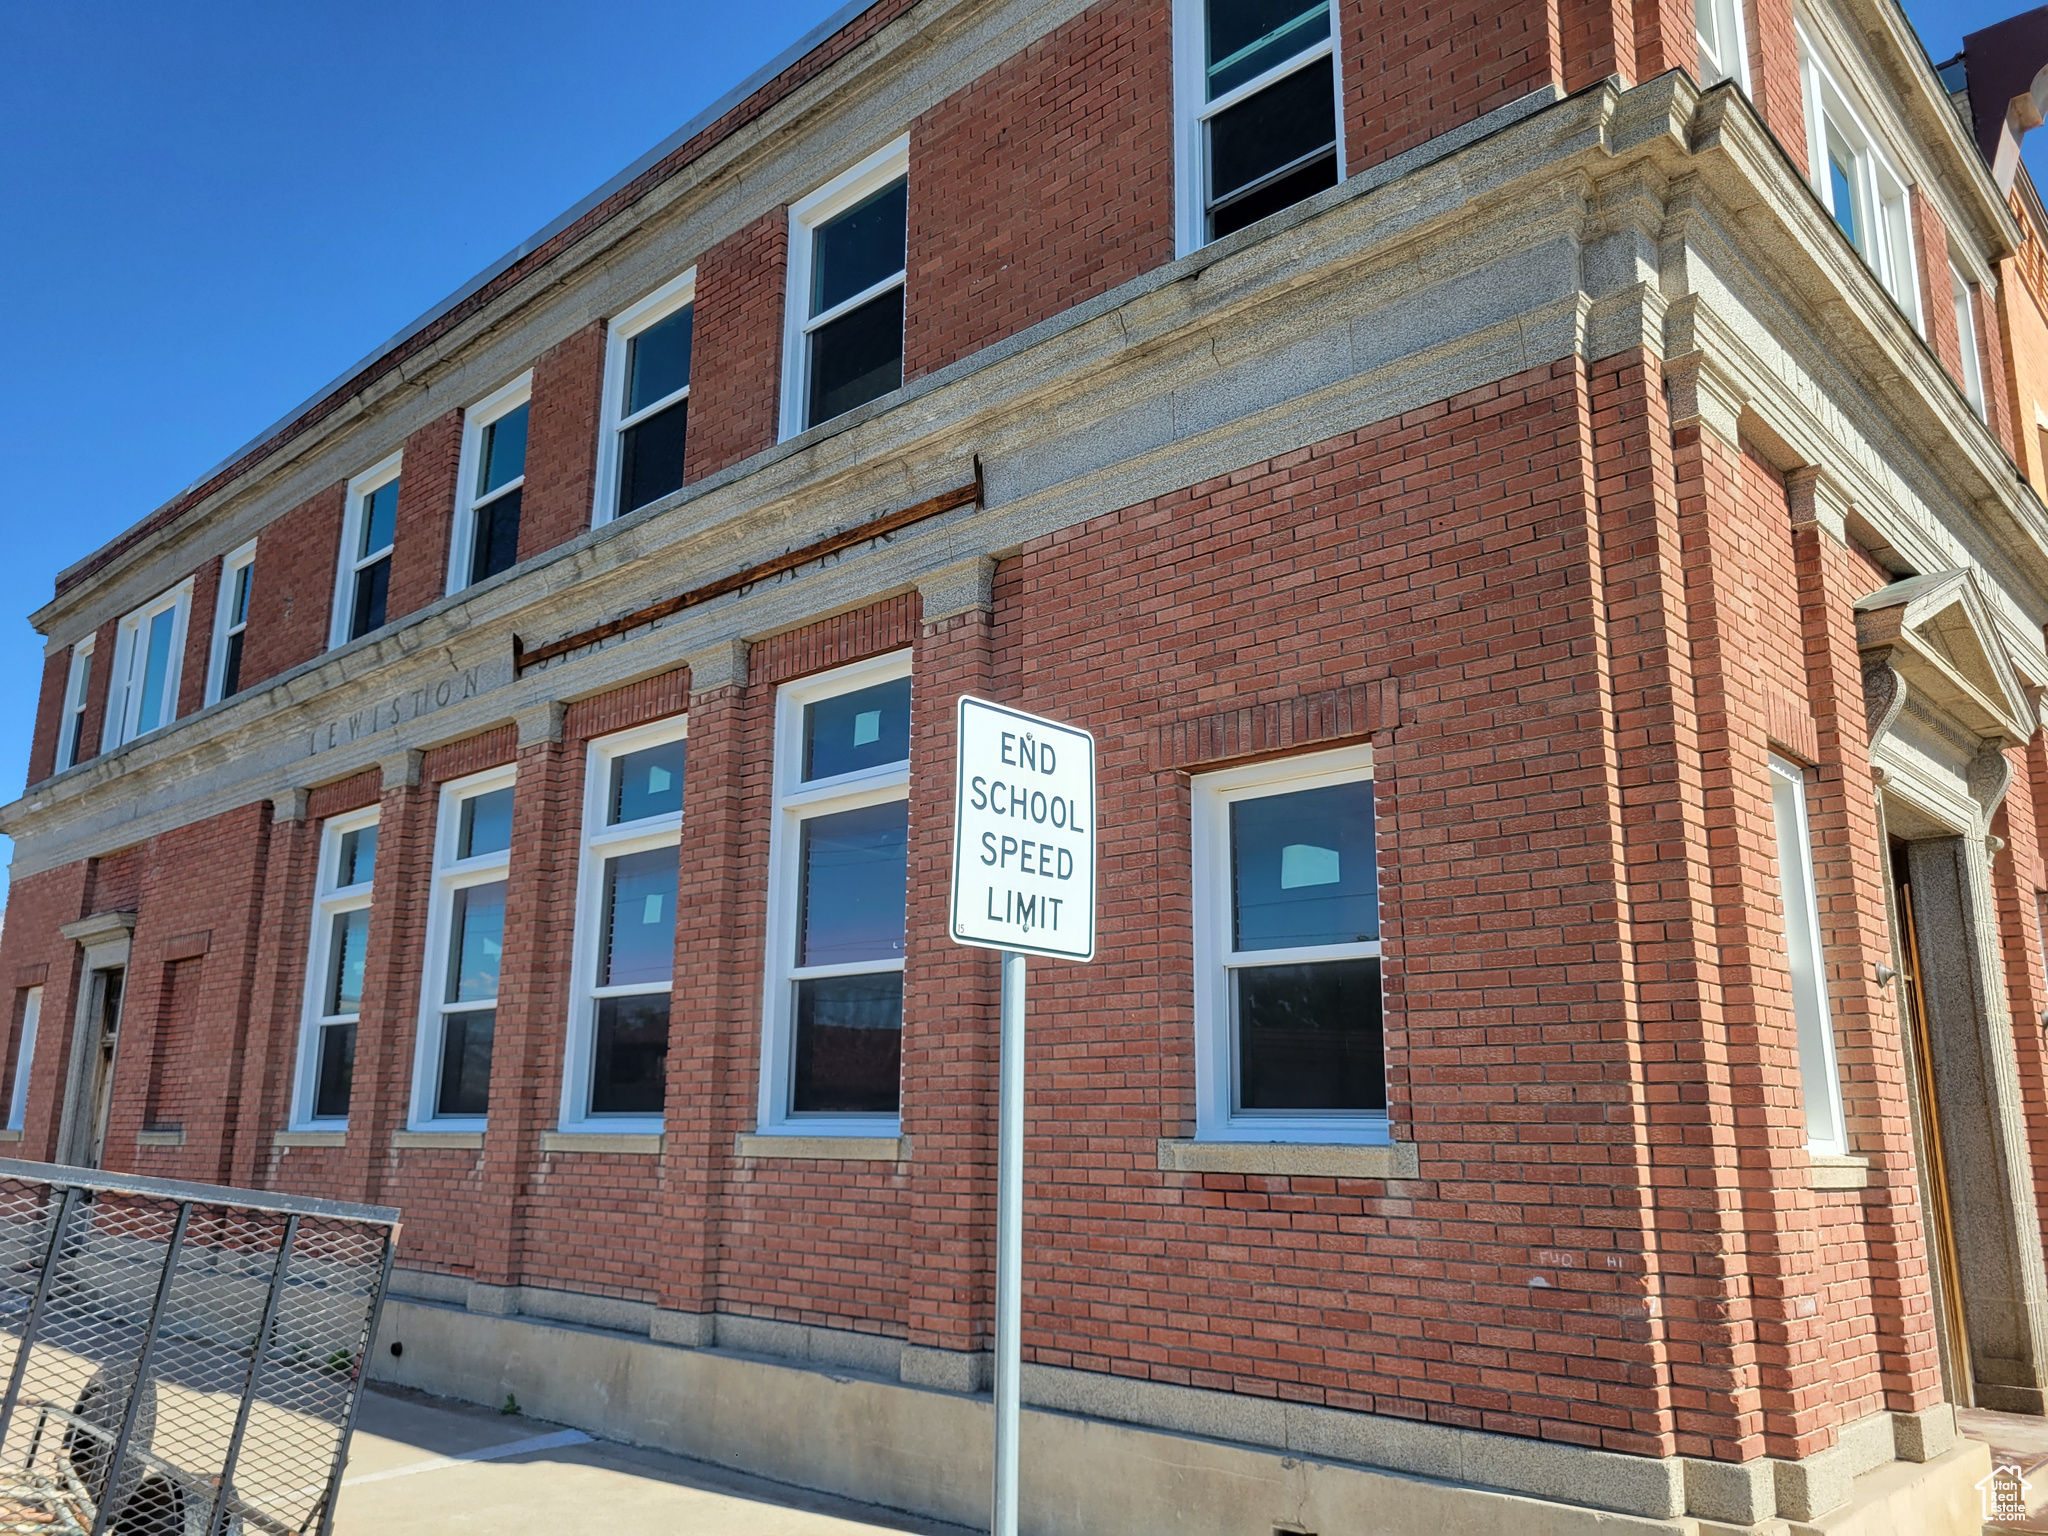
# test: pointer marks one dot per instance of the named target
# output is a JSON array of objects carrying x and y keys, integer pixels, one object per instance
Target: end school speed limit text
[{"x": 1024, "y": 833}]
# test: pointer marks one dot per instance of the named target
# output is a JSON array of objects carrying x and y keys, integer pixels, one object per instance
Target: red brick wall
[
  {"x": 1414, "y": 70},
  {"x": 50, "y": 701},
  {"x": 96, "y": 690},
  {"x": 291, "y": 593},
  {"x": 426, "y": 517},
  {"x": 1046, "y": 182},
  {"x": 1937, "y": 303},
  {"x": 736, "y": 364},
  {"x": 1774, "y": 75},
  {"x": 198, "y": 639},
  {"x": 561, "y": 442}
]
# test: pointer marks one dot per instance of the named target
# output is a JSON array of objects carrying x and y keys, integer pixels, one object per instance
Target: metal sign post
[{"x": 1023, "y": 883}]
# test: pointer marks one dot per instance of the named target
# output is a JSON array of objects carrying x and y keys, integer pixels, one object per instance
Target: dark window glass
[
  {"x": 79, "y": 751},
  {"x": 849, "y": 1045},
  {"x": 504, "y": 457},
  {"x": 854, "y": 250},
  {"x": 380, "y": 519},
  {"x": 639, "y": 918},
  {"x": 867, "y": 728},
  {"x": 465, "y": 1087},
  {"x": 854, "y": 872},
  {"x": 486, "y": 825},
  {"x": 1271, "y": 197},
  {"x": 335, "y": 1071},
  {"x": 238, "y": 605},
  {"x": 358, "y": 861},
  {"x": 1308, "y": 1037},
  {"x": 345, "y": 961},
  {"x": 1303, "y": 869},
  {"x": 857, "y": 358},
  {"x": 231, "y": 667},
  {"x": 494, "y": 546},
  {"x": 373, "y": 582},
  {"x": 651, "y": 457},
  {"x": 658, "y": 360},
  {"x": 1249, "y": 37},
  {"x": 648, "y": 782},
  {"x": 631, "y": 1059},
  {"x": 1288, "y": 123},
  {"x": 477, "y": 943}
]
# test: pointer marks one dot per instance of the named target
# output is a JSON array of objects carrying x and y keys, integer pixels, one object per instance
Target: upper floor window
[
  {"x": 28, "y": 1011},
  {"x": 1258, "y": 105},
  {"x": 623, "y": 967},
  {"x": 1724, "y": 51},
  {"x": 149, "y": 653},
  {"x": 838, "y": 862},
  {"x": 1820, "y": 1085},
  {"x": 490, "y": 481},
  {"x": 1965, "y": 302},
  {"x": 844, "y": 342},
  {"x": 230, "y": 624},
  {"x": 369, "y": 527},
  {"x": 1288, "y": 1029},
  {"x": 1857, "y": 184},
  {"x": 335, "y": 963},
  {"x": 646, "y": 399},
  {"x": 71, "y": 749},
  {"x": 465, "y": 952}
]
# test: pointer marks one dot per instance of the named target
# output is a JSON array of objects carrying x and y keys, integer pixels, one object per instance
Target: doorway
[{"x": 92, "y": 1081}]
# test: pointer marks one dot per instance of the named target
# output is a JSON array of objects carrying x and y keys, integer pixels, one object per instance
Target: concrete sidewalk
[{"x": 426, "y": 1464}]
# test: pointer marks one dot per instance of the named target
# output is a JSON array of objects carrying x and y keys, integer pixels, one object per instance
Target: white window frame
[
  {"x": 124, "y": 722},
  {"x": 243, "y": 559},
  {"x": 1884, "y": 216},
  {"x": 1212, "y": 795},
  {"x": 1724, "y": 55},
  {"x": 677, "y": 293},
  {"x": 1192, "y": 112},
  {"x": 24, "y": 1059},
  {"x": 889, "y": 163},
  {"x": 600, "y": 843},
  {"x": 796, "y": 803},
  {"x": 329, "y": 902},
  {"x": 375, "y": 478},
  {"x": 451, "y": 874},
  {"x": 77, "y": 683},
  {"x": 499, "y": 403},
  {"x": 1820, "y": 1081},
  {"x": 1965, "y": 299}
]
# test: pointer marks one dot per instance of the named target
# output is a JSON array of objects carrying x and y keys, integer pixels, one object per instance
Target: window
[
  {"x": 230, "y": 623},
  {"x": 1288, "y": 1028},
  {"x": 646, "y": 399},
  {"x": 334, "y": 971},
  {"x": 369, "y": 524},
  {"x": 838, "y": 851},
  {"x": 1966, "y": 339},
  {"x": 626, "y": 931},
  {"x": 31, "y": 1011},
  {"x": 465, "y": 948},
  {"x": 71, "y": 734},
  {"x": 1259, "y": 119},
  {"x": 149, "y": 654},
  {"x": 844, "y": 345},
  {"x": 1724, "y": 52},
  {"x": 1856, "y": 183},
  {"x": 1819, "y": 1085},
  {"x": 490, "y": 481}
]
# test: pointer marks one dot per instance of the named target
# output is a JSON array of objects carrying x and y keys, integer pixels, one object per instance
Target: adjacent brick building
[{"x": 1526, "y": 502}]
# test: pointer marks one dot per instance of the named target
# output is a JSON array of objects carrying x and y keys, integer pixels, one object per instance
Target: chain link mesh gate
[{"x": 179, "y": 1359}]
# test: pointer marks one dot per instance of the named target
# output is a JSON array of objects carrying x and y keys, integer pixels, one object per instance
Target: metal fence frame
[{"x": 74, "y": 1190}]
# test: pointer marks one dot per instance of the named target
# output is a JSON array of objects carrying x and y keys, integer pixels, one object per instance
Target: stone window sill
[
  {"x": 844, "y": 1149},
  {"x": 454, "y": 1141},
  {"x": 10, "y": 1136},
  {"x": 289, "y": 1139},
  {"x": 1838, "y": 1173},
  {"x": 160, "y": 1138},
  {"x": 633, "y": 1144},
  {"x": 1398, "y": 1160}
]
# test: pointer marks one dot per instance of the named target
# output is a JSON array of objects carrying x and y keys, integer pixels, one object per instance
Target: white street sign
[{"x": 1023, "y": 834}]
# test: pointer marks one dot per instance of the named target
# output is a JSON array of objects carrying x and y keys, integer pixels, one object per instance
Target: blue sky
[{"x": 212, "y": 210}]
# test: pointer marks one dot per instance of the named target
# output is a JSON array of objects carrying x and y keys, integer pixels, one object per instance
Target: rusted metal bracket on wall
[{"x": 970, "y": 494}]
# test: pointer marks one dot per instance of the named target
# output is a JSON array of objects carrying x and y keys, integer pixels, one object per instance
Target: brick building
[{"x": 1525, "y": 498}]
